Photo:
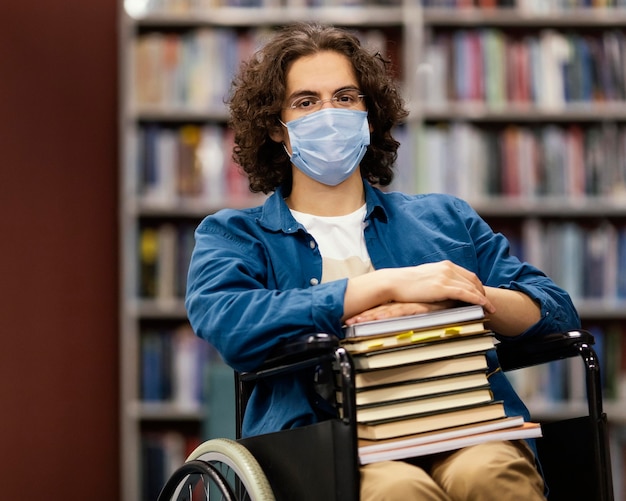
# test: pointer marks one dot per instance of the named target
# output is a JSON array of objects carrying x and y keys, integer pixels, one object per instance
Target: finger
[
  {"x": 455, "y": 271},
  {"x": 466, "y": 294}
]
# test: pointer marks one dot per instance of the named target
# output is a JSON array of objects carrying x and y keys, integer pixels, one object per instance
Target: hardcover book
[
  {"x": 446, "y": 317},
  {"x": 430, "y": 421},
  {"x": 408, "y": 389},
  {"x": 447, "y": 440},
  {"x": 432, "y": 403},
  {"x": 369, "y": 343},
  {"x": 412, "y": 353},
  {"x": 429, "y": 369}
]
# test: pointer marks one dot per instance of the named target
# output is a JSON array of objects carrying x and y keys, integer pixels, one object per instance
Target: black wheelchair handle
[
  {"x": 516, "y": 354},
  {"x": 296, "y": 353}
]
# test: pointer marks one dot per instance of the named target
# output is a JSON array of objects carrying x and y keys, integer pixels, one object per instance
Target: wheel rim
[
  {"x": 238, "y": 466},
  {"x": 199, "y": 481}
]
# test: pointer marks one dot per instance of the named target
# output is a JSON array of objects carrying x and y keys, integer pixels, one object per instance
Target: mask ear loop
[{"x": 283, "y": 143}]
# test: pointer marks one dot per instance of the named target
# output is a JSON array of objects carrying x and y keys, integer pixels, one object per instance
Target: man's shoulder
[
  {"x": 231, "y": 216},
  {"x": 425, "y": 199}
]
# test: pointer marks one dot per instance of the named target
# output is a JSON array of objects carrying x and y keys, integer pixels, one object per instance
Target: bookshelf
[
  {"x": 521, "y": 115},
  {"x": 176, "y": 62},
  {"x": 172, "y": 81}
]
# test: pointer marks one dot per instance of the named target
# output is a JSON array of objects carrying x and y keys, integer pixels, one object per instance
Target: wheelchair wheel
[{"x": 219, "y": 469}]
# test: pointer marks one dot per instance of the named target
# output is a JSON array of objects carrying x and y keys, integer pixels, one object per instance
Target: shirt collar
[
  {"x": 276, "y": 215},
  {"x": 375, "y": 200}
]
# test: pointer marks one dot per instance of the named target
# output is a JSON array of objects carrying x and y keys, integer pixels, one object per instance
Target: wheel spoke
[{"x": 220, "y": 470}]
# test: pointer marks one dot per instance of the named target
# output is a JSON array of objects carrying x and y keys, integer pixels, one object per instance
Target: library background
[{"x": 518, "y": 106}]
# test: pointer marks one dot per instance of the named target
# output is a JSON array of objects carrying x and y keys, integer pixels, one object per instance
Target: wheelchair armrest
[
  {"x": 296, "y": 353},
  {"x": 534, "y": 351}
]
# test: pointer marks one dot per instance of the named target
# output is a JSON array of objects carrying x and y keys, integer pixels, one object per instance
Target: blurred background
[{"x": 114, "y": 145}]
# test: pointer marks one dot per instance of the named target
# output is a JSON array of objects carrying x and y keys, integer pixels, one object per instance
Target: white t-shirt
[{"x": 341, "y": 243}]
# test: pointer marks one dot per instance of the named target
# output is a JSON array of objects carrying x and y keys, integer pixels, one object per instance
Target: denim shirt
[{"x": 255, "y": 279}]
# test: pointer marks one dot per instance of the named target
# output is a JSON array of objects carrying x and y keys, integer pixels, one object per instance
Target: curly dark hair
[{"x": 258, "y": 92}]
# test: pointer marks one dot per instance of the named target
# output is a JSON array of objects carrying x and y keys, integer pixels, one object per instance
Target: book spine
[
  {"x": 561, "y": 67},
  {"x": 568, "y": 161},
  {"x": 173, "y": 367}
]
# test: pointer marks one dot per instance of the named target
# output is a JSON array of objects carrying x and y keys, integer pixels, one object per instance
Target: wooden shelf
[
  {"x": 165, "y": 411},
  {"x": 551, "y": 206},
  {"x": 189, "y": 208},
  {"x": 179, "y": 114},
  {"x": 275, "y": 16},
  {"x": 523, "y": 112},
  {"x": 516, "y": 18}
]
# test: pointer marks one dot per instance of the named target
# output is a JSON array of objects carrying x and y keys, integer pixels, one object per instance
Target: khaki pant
[{"x": 502, "y": 471}]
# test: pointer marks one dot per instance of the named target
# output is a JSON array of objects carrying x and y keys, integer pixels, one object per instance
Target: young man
[{"x": 313, "y": 113}]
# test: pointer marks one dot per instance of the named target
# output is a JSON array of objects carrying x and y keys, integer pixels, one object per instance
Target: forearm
[
  {"x": 427, "y": 283},
  {"x": 366, "y": 291},
  {"x": 514, "y": 313}
]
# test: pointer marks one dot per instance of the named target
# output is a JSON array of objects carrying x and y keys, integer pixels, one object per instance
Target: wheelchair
[{"x": 320, "y": 461}]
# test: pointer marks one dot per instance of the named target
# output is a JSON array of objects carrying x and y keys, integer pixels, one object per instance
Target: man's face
[{"x": 321, "y": 76}]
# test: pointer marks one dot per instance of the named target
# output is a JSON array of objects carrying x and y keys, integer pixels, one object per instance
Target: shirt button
[
  {"x": 312, "y": 244},
  {"x": 314, "y": 281}
]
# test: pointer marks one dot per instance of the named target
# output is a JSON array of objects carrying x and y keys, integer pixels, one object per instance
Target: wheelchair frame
[
  {"x": 567, "y": 345},
  {"x": 288, "y": 469}
]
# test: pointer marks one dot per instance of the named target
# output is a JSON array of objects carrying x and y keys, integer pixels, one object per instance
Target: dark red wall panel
[{"x": 58, "y": 250}]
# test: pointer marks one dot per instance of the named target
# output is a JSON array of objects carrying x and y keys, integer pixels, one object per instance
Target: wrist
[{"x": 384, "y": 285}]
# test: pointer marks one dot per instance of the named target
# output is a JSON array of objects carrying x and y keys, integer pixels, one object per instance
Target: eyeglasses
[{"x": 347, "y": 98}]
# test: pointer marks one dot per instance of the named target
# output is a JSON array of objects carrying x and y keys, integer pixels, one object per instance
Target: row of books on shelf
[
  {"x": 174, "y": 366},
  {"x": 548, "y": 68},
  {"x": 142, "y": 8},
  {"x": 137, "y": 8},
  {"x": 162, "y": 452},
  {"x": 189, "y": 162},
  {"x": 526, "y": 6},
  {"x": 588, "y": 259},
  {"x": 460, "y": 4},
  {"x": 164, "y": 252},
  {"x": 194, "y": 69},
  {"x": 518, "y": 161},
  {"x": 422, "y": 386},
  {"x": 194, "y": 162}
]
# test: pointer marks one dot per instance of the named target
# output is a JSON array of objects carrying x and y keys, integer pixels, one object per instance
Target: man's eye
[{"x": 305, "y": 102}]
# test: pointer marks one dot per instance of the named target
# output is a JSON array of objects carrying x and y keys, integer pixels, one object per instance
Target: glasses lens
[
  {"x": 306, "y": 104},
  {"x": 347, "y": 98}
]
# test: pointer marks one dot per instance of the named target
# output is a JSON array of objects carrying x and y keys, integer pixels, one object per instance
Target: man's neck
[{"x": 314, "y": 198}]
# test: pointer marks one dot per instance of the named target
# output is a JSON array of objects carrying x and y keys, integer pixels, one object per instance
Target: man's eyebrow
[
  {"x": 300, "y": 93},
  {"x": 305, "y": 92}
]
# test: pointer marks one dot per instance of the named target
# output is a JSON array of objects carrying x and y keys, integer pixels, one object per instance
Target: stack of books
[{"x": 421, "y": 385}]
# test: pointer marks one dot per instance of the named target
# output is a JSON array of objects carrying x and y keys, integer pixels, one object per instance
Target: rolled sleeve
[
  {"x": 245, "y": 301},
  {"x": 558, "y": 313},
  {"x": 327, "y": 306}
]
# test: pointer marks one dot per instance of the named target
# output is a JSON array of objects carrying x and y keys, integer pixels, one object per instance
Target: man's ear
[{"x": 277, "y": 134}]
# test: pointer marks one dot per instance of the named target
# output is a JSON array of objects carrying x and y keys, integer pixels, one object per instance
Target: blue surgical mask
[{"x": 328, "y": 145}]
